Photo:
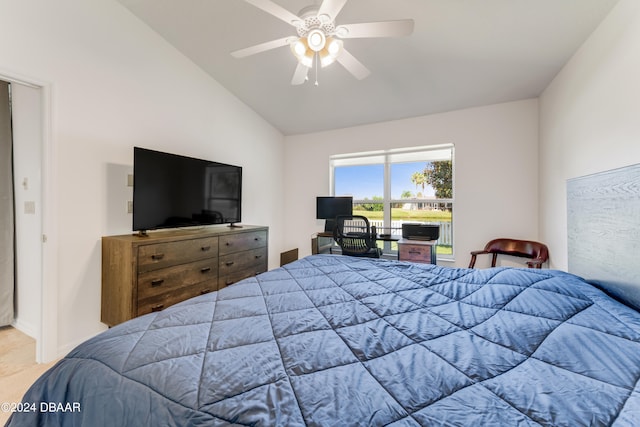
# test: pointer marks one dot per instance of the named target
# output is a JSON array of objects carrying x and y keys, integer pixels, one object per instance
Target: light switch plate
[{"x": 30, "y": 207}]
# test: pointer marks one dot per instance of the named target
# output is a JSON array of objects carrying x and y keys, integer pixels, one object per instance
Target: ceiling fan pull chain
[{"x": 316, "y": 61}]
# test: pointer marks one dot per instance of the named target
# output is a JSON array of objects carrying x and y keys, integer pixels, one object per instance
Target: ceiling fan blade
[
  {"x": 399, "y": 28},
  {"x": 262, "y": 47},
  {"x": 300, "y": 75},
  {"x": 275, "y": 10},
  {"x": 331, "y": 8},
  {"x": 352, "y": 65}
]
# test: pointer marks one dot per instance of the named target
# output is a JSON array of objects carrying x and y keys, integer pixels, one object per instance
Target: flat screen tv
[
  {"x": 172, "y": 191},
  {"x": 328, "y": 208}
]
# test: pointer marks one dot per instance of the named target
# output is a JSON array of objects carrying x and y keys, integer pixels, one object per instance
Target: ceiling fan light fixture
[
  {"x": 299, "y": 48},
  {"x": 301, "y": 51},
  {"x": 331, "y": 51},
  {"x": 307, "y": 61},
  {"x": 316, "y": 40},
  {"x": 334, "y": 46},
  {"x": 319, "y": 41}
]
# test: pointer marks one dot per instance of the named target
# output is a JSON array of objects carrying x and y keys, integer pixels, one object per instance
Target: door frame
[{"x": 46, "y": 333}]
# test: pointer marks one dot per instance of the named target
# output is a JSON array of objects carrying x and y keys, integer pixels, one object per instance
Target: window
[{"x": 396, "y": 186}]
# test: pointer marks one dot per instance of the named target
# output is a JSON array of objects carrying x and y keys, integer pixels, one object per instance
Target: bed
[{"x": 334, "y": 340}]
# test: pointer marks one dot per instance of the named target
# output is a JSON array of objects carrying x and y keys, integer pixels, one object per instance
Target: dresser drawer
[
  {"x": 415, "y": 253},
  {"x": 235, "y": 267},
  {"x": 160, "y": 255},
  {"x": 242, "y": 241},
  {"x": 160, "y": 301},
  {"x": 155, "y": 282}
]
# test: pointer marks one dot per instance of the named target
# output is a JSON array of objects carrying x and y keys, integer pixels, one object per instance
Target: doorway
[
  {"x": 35, "y": 268},
  {"x": 7, "y": 223}
]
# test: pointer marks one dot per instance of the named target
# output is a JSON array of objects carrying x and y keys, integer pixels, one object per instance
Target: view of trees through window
[{"x": 390, "y": 189}]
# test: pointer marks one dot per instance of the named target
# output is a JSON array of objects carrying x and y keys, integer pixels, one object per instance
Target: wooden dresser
[{"x": 145, "y": 274}]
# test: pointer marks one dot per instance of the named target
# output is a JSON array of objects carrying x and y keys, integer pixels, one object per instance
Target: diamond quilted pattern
[
  {"x": 348, "y": 313},
  {"x": 472, "y": 406},
  {"x": 551, "y": 305},
  {"x": 312, "y": 351},
  {"x": 541, "y": 391},
  {"x": 156, "y": 345},
  {"x": 345, "y": 395},
  {"x": 234, "y": 371},
  {"x": 620, "y": 368},
  {"x": 416, "y": 377},
  {"x": 421, "y": 325},
  {"x": 373, "y": 339},
  {"x": 480, "y": 360},
  {"x": 332, "y": 340},
  {"x": 518, "y": 332}
]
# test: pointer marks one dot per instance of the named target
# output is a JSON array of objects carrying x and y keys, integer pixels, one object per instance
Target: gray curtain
[{"x": 7, "y": 282}]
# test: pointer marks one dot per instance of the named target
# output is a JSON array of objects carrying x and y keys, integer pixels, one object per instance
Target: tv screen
[
  {"x": 329, "y": 208},
  {"x": 171, "y": 191}
]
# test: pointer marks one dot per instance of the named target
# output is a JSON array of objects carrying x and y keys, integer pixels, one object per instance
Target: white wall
[
  {"x": 495, "y": 171},
  {"x": 590, "y": 118},
  {"x": 115, "y": 84}
]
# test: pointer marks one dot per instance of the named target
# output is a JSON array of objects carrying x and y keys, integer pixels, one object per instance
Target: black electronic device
[
  {"x": 328, "y": 208},
  {"x": 171, "y": 191},
  {"x": 419, "y": 231}
]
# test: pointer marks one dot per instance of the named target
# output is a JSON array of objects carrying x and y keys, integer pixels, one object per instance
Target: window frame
[{"x": 396, "y": 156}]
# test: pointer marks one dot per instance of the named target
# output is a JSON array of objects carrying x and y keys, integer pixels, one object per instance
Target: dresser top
[{"x": 182, "y": 234}]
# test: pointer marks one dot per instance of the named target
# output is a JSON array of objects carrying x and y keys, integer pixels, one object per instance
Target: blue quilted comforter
[{"x": 333, "y": 340}]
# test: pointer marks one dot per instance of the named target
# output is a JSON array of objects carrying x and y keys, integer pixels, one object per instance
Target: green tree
[
  {"x": 406, "y": 194},
  {"x": 419, "y": 179},
  {"x": 375, "y": 206},
  {"x": 439, "y": 175}
]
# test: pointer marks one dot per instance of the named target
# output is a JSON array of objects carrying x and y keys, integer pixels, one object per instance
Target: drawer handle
[
  {"x": 205, "y": 248},
  {"x": 157, "y": 282},
  {"x": 157, "y": 257},
  {"x": 157, "y": 308},
  {"x": 414, "y": 252},
  {"x": 258, "y": 256},
  {"x": 228, "y": 243},
  {"x": 205, "y": 291},
  {"x": 256, "y": 239},
  {"x": 205, "y": 269},
  {"x": 229, "y": 263}
]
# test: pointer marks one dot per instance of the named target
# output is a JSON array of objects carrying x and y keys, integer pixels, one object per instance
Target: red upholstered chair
[{"x": 537, "y": 252}]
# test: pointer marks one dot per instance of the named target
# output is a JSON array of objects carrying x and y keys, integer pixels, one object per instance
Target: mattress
[{"x": 334, "y": 340}]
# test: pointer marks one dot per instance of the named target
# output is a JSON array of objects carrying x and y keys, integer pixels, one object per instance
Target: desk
[
  {"x": 323, "y": 242},
  {"x": 381, "y": 237}
]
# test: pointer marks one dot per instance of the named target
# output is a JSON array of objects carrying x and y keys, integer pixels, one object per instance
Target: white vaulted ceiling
[{"x": 462, "y": 53}]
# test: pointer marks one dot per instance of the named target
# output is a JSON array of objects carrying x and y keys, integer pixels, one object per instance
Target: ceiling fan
[{"x": 320, "y": 40}]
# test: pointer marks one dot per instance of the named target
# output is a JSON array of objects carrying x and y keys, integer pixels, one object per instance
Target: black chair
[{"x": 356, "y": 237}]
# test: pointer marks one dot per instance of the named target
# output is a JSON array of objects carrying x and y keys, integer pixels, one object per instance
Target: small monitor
[{"x": 328, "y": 208}]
